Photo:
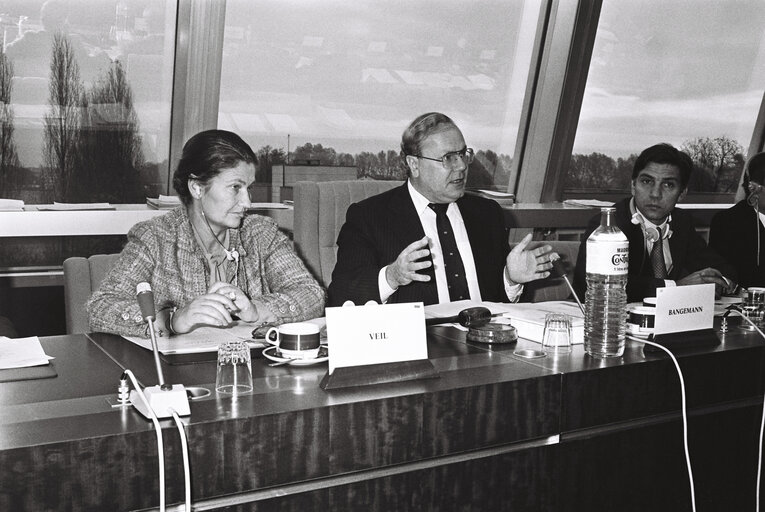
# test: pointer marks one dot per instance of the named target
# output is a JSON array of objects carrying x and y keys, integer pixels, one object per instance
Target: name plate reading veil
[
  {"x": 375, "y": 333},
  {"x": 684, "y": 308}
]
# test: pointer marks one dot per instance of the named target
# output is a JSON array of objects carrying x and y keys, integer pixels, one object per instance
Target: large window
[
  {"x": 334, "y": 83},
  {"x": 690, "y": 73},
  {"x": 87, "y": 87}
]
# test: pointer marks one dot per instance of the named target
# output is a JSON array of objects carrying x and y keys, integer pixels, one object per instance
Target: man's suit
[
  {"x": 688, "y": 249},
  {"x": 377, "y": 229},
  {"x": 733, "y": 234}
]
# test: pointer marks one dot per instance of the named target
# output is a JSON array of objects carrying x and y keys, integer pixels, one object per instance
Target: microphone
[
  {"x": 145, "y": 301},
  {"x": 164, "y": 397},
  {"x": 470, "y": 317},
  {"x": 561, "y": 272}
]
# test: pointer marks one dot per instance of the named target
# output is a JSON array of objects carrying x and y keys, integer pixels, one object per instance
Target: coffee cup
[{"x": 299, "y": 340}]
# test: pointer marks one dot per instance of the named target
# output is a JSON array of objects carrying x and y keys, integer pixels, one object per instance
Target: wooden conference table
[{"x": 494, "y": 432}]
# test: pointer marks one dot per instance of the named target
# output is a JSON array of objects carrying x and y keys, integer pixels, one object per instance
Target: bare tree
[
  {"x": 718, "y": 161},
  {"x": 109, "y": 154},
  {"x": 62, "y": 122},
  {"x": 9, "y": 159}
]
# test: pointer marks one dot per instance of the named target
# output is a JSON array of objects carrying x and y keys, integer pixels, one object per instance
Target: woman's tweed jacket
[{"x": 164, "y": 252}]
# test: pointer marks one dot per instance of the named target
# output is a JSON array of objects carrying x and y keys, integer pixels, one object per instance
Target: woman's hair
[{"x": 205, "y": 155}]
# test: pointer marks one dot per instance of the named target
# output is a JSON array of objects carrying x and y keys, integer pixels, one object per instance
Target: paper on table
[
  {"x": 62, "y": 207},
  {"x": 268, "y": 206},
  {"x": 453, "y": 308},
  {"x": 596, "y": 203},
  {"x": 21, "y": 353},
  {"x": 529, "y": 319},
  {"x": 203, "y": 339}
]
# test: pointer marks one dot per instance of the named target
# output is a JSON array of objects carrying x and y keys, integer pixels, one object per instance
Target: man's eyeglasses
[
  {"x": 755, "y": 187},
  {"x": 453, "y": 159}
]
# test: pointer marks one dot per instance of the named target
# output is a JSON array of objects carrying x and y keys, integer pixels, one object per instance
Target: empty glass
[
  {"x": 557, "y": 334},
  {"x": 234, "y": 368},
  {"x": 753, "y": 307}
]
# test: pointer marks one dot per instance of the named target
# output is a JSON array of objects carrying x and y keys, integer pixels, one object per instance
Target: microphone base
[{"x": 162, "y": 400}]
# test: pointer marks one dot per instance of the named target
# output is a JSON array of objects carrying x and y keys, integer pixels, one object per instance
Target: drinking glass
[
  {"x": 557, "y": 334},
  {"x": 234, "y": 368}
]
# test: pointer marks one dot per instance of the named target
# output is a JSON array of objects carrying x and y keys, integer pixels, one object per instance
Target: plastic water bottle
[{"x": 606, "y": 298}]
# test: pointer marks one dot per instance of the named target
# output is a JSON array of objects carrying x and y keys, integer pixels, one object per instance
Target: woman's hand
[
  {"x": 213, "y": 309},
  {"x": 243, "y": 308}
]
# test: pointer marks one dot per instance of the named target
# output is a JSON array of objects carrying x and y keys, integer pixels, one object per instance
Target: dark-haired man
[
  {"x": 426, "y": 241},
  {"x": 665, "y": 249},
  {"x": 738, "y": 233}
]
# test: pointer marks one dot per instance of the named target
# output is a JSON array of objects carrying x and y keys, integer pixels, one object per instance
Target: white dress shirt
[{"x": 428, "y": 220}]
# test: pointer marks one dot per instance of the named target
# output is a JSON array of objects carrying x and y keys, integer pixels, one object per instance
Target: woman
[
  {"x": 738, "y": 233},
  {"x": 207, "y": 262}
]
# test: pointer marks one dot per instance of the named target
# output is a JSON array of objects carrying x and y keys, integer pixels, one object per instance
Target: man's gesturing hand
[
  {"x": 404, "y": 270},
  {"x": 526, "y": 265}
]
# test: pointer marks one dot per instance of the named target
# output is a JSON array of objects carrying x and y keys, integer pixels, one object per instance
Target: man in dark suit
[
  {"x": 738, "y": 233},
  {"x": 427, "y": 241},
  {"x": 665, "y": 249}
]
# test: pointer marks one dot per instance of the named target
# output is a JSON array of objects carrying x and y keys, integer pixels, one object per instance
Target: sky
[{"x": 352, "y": 75}]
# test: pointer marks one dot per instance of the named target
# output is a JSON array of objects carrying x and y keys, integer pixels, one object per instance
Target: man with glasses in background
[{"x": 426, "y": 240}]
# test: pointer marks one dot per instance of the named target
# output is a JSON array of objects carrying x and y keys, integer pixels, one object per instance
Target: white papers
[
  {"x": 21, "y": 353},
  {"x": 203, "y": 339},
  {"x": 592, "y": 203},
  {"x": 684, "y": 308},
  {"x": 163, "y": 202},
  {"x": 373, "y": 334},
  {"x": 11, "y": 205},
  {"x": 529, "y": 319},
  {"x": 269, "y": 206},
  {"x": 449, "y": 309},
  {"x": 63, "y": 207}
]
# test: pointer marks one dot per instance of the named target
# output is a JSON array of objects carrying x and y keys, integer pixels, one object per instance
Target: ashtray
[{"x": 493, "y": 333}]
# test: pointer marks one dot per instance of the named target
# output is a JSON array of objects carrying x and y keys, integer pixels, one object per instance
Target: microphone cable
[
  {"x": 762, "y": 420},
  {"x": 160, "y": 445},
  {"x": 186, "y": 465},
  {"x": 684, "y": 413}
]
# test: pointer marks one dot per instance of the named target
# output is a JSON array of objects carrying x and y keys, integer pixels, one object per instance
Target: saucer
[{"x": 271, "y": 354}]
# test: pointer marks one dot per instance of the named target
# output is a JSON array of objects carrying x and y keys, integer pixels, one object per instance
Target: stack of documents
[
  {"x": 21, "y": 353},
  {"x": 503, "y": 198},
  {"x": 529, "y": 319},
  {"x": 163, "y": 202},
  {"x": 591, "y": 203}
]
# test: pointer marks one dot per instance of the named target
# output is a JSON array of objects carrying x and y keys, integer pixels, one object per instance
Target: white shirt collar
[{"x": 420, "y": 201}]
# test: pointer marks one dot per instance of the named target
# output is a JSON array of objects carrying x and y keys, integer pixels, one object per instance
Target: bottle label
[{"x": 608, "y": 258}]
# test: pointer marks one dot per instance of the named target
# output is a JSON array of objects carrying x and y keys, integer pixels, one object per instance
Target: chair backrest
[
  {"x": 81, "y": 278},
  {"x": 320, "y": 213},
  {"x": 554, "y": 288}
]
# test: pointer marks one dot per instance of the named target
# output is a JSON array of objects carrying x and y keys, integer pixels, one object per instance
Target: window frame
[{"x": 564, "y": 41}]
